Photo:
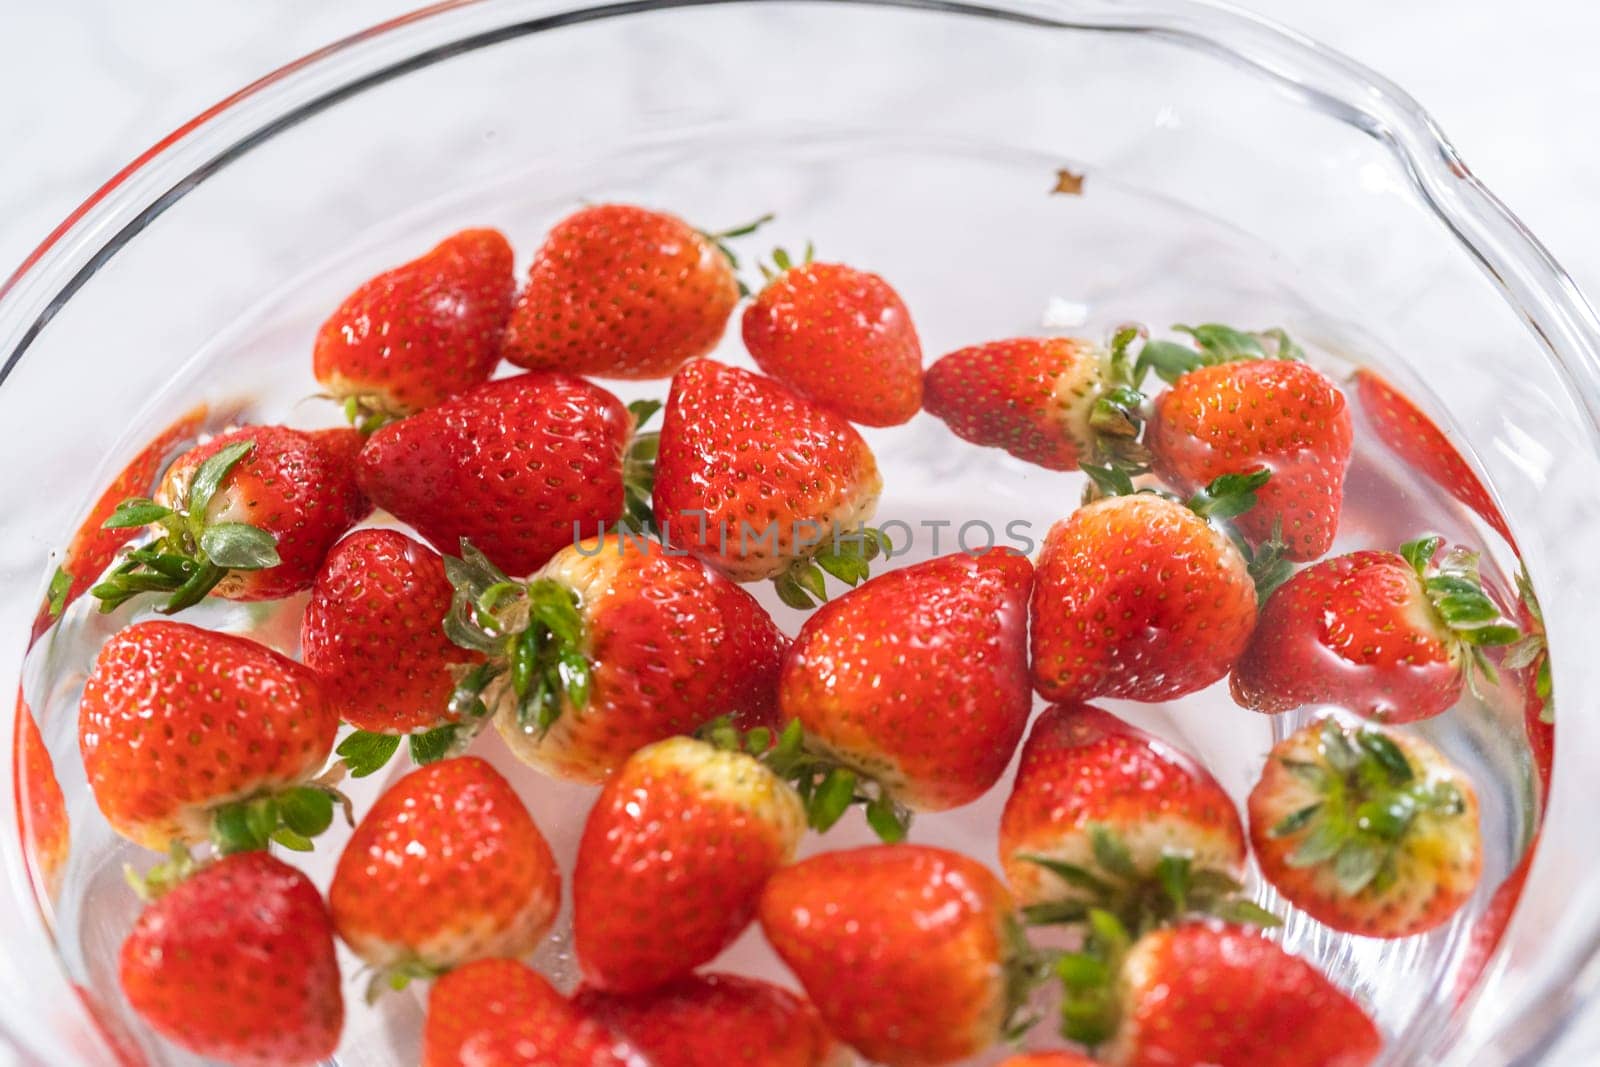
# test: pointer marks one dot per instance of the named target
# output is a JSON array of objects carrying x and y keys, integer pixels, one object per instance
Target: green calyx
[
  {"x": 397, "y": 976},
  {"x": 1214, "y": 343},
  {"x": 720, "y": 238},
  {"x": 846, "y": 556},
  {"x": 192, "y": 554},
  {"x": 1116, "y": 417},
  {"x": 639, "y": 470},
  {"x": 783, "y": 262},
  {"x": 163, "y": 877},
  {"x": 291, "y": 818},
  {"x": 369, "y": 412},
  {"x": 364, "y": 752},
  {"x": 1369, "y": 797},
  {"x": 1472, "y": 620},
  {"x": 1532, "y": 651},
  {"x": 1090, "y": 1008}
]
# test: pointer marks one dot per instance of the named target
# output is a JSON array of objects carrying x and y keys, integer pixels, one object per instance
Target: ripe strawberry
[
  {"x": 373, "y": 631},
  {"x": 249, "y": 515},
  {"x": 623, "y": 292},
  {"x": 1368, "y": 831},
  {"x": 447, "y": 867},
  {"x": 1105, "y": 815},
  {"x": 1054, "y": 401},
  {"x": 517, "y": 466},
  {"x": 42, "y": 822},
  {"x": 762, "y": 483},
  {"x": 187, "y": 733},
  {"x": 918, "y": 680},
  {"x": 1419, "y": 442},
  {"x": 1049, "y": 1059},
  {"x": 838, "y": 336},
  {"x": 673, "y": 859},
  {"x": 422, "y": 332},
  {"x": 717, "y": 1019},
  {"x": 615, "y": 644},
  {"x": 1236, "y": 412},
  {"x": 1140, "y": 598},
  {"x": 501, "y": 1013},
  {"x": 236, "y": 963},
  {"x": 903, "y": 949},
  {"x": 1389, "y": 636}
]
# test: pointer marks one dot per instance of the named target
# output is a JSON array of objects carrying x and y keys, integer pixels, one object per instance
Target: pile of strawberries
[{"x": 578, "y": 583}]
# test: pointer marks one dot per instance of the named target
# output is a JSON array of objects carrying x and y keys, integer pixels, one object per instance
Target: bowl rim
[{"x": 1318, "y": 77}]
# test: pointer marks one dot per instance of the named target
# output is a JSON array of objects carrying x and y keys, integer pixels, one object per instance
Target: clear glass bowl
[{"x": 1231, "y": 170}]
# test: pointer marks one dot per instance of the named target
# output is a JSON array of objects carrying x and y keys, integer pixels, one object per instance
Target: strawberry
[
  {"x": 1422, "y": 446},
  {"x": 447, "y": 867},
  {"x": 249, "y": 515},
  {"x": 373, "y": 631},
  {"x": 1369, "y": 831},
  {"x": 1389, "y": 636},
  {"x": 236, "y": 963},
  {"x": 917, "y": 680},
  {"x": 623, "y": 292},
  {"x": 1529, "y": 657},
  {"x": 1105, "y": 815},
  {"x": 1490, "y": 926},
  {"x": 94, "y": 546},
  {"x": 1049, "y": 1059},
  {"x": 501, "y": 1013},
  {"x": 717, "y": 1019},
  {"x": 903, "y": 949},
  {"x": 839, "y": 337},
  {"x": 616, "y": 643},
  {"x": 762, "y": 483},
  {"x": 1139, "y": 597},
  {"x": 1233, "y": 410},
  {"x": 42, "y": 822},
  {"x": 1053, "y": 401},
  {"x": 517, "y": 466},
  {"x": 187, "y": 733},
  {"x": 673, "y": 859},
  {"x": 422, "y": 332}
]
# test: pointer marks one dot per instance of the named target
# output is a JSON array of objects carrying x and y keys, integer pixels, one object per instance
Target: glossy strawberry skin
[
  {"x": 446, "y": 867},
  {"x": 517, "y": 466},
  {"x": 424, "y": 331},
  {"x": 1201, "y": 993},
  {"x": 1083, "y": 768},
  {"x": 743, "y": 457},
  {"x": 621, "y": 292},
  {"x": 1030, "y": 396},
  {"x": 1236, "y": 418},
  {"x": 717, "y": 1019},
  {"x": 900, "y": 947},
  {"x": 919, "y": 677},
  {"x": 673, "y": 859},
  {"x": 1355, "y": 630},
  {"x": 373, "y": 631},
  {"x": 237, "y": 964},
  {"x": 1137, "y": 597},
  {"x": 1049, "y": 1059},
  {"x": 501, "y": 1013},
  {"x": 42, "y": 821},
  {"x": 672, "y": 644},
  {"x": 176, "y": 720},
  {"x": 297, "y": 486},
  {"x": 840, "y": 337}
]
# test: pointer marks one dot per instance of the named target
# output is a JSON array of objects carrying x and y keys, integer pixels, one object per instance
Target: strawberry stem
[{"x": 846, "y": 556}]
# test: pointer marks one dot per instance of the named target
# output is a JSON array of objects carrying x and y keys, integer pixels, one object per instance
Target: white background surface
[{"x": 85, "y": 85}]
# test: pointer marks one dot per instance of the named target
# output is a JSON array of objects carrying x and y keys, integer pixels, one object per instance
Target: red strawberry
[
  {"x": 517, "y": 466},
  {"x": 237, "y": 964},
  {"x": 919, "y": 678},
  {"x": 1247, "y": 413},
  {"x": 501, "y": 1013},
  {"x": 622, "y": 292},
  {"x": 1140, "y": 598},
  {"x": 902, "y": 948},
  {"x": 1054, "y": 401},
  {"x": 763, "y": 483},
  {"x": 248, "y": 515},
  {"x": 94, "y": 547},
  {"x": 421, "y": 332},
  {"x": 1530, "y": 659},
  {"x": 41, "y": 808},
  {"x": 620, "y": 643},
  {"x": 1420, "y": 443},
  {"x": 673, "y": 859},
  {"x": 718, "y": 1019},
  {"x": 373, "y": 630},
  {"x": 1388, "y": 636},
  {"x": 1104, "y": 814},
  {"x": 1049, "y": 1059},
  {"x": 447, "y": 867},
  {"x": 840, "y": 337},
  {"x": 187, "y": 733},
  {"x": 1368, "y": 831}
]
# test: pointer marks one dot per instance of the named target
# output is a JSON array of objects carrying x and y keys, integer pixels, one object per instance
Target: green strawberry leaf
[
  {"x": 366, "y": 753},
  {"x": 1223, "y": 344},
  {"x": 238, "y": 546},
  {"x": 135, "y": 511},
  {"x": 832, "y": 799},
  {"x": 433, "y": 745},
  {"x": 209, "y": 477},
  {"x": 306, "y": 811},
  {"x": 56, "y": 597}
]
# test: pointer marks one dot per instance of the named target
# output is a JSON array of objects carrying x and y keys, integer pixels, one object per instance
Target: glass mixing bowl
[{"x": 1231, "y": 170}]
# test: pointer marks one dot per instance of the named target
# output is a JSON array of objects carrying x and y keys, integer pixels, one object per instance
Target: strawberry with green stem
[{"x": 1529, "y": 659}]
